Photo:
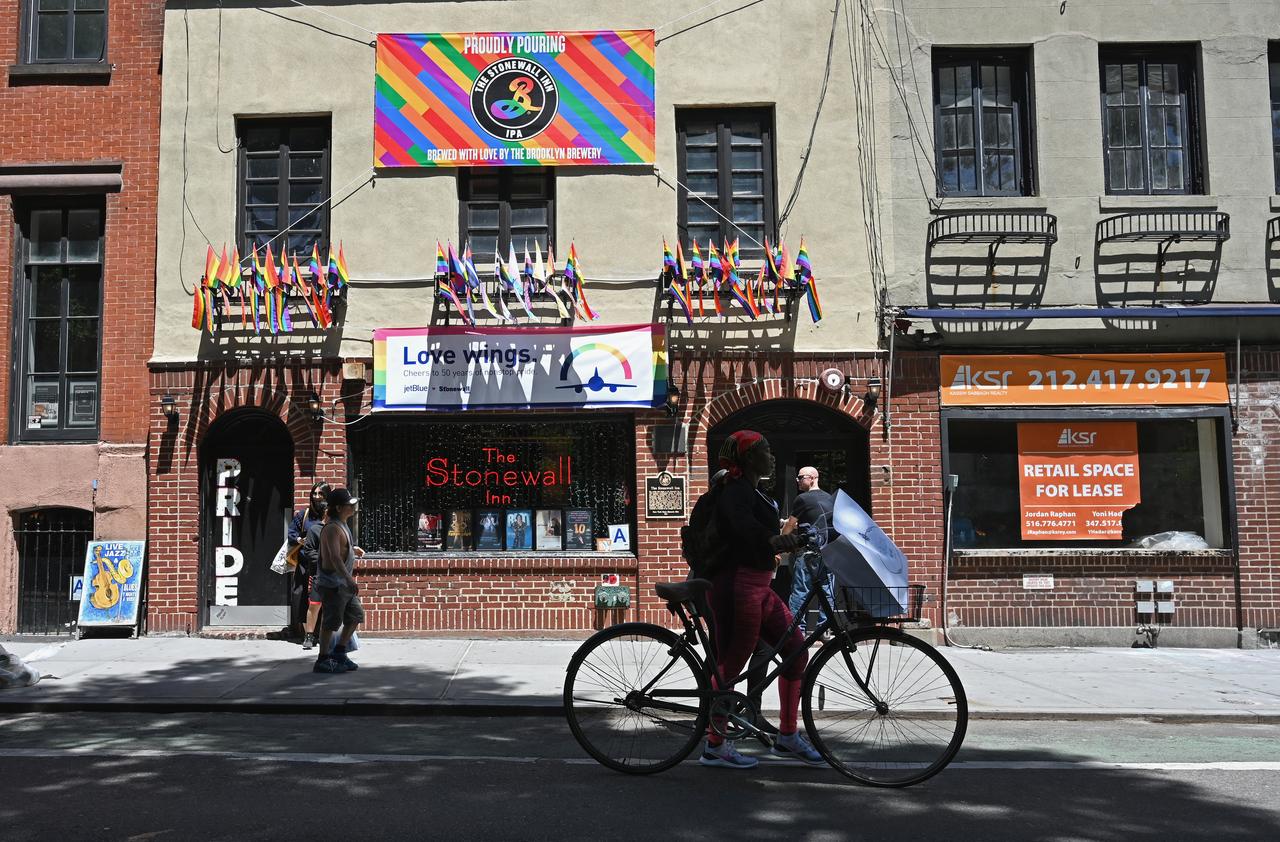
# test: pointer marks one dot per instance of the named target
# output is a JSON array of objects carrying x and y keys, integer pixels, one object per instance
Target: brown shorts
[{"x": 340, "y": 607}]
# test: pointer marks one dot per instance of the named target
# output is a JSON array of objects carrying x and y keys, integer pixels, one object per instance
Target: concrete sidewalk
[{"x": 442, "y": 676}]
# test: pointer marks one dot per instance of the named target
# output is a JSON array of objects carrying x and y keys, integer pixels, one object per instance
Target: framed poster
[
  {"x": 459, "y": 534},
  {"x": 579, "y": 533},
  {"x": 488, "y": 529},
  {"x": 519, "y": 529},
  {"x": 430, "y": 535},
  {"x": 113, "y": 582},
  {"x": 549, "y": 528}
]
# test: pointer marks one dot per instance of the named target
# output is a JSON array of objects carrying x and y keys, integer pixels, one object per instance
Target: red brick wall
[
  {"x": 553, "y": 592},
  {"x": 49, "y": 120},
  {"x": 1257, "y": 473}
]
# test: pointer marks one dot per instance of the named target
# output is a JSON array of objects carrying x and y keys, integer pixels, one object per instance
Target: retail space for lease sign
[
  {"x": 466, "y": 99},
  {"x": 1077, "y": 478},
  {"x": 458, "y": 368}
]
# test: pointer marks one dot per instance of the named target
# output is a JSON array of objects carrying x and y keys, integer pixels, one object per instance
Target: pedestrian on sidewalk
[
  {"x": 339, "y": 593},
  {"x": 813, "y": 507},
  {"x": 305, "y": 613}
]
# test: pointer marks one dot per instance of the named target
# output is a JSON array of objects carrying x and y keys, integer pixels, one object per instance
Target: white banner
[{"x": 456, "y": 368}]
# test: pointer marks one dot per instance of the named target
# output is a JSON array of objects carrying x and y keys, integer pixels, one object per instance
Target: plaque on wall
[{"x": 664, "y": 496}]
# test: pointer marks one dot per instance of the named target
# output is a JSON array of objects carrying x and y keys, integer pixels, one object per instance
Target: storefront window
[
  {"x": 493, "y": 486},
  {"x": 1136, "y": 483}
]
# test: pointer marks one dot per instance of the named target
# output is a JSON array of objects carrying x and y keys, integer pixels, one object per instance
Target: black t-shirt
[
  {"x": 746, "y": 519},
  {"x": 813, "y": 506}
]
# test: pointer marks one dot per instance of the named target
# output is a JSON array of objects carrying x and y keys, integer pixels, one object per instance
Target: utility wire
[
  {"x": 813, "y": 129},
  {"x": 680, "y": 185}
]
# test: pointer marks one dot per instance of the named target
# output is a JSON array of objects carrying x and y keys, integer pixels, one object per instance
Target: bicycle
[{"x": 881, "y": 706}]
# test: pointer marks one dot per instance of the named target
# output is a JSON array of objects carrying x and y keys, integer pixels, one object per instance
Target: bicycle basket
[{"x": 883, "y": 603}]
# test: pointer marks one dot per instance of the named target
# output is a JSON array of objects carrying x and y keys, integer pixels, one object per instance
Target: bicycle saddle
[{"x": 685, "y": 591}]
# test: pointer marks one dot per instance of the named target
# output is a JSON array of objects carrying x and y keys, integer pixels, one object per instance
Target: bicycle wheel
[
  {"x": 912, "y": 727},
  {"x": 636, "y": 698}
]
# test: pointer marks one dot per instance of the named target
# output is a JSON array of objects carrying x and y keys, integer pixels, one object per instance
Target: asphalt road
[{"x": 245, "y": 777}]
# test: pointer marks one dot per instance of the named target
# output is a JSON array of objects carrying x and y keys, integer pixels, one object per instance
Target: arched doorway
[
  {"x": 803, "y": 433},
  {"x": 246, "y": 487},
  {"x": 51, "y": 547}
]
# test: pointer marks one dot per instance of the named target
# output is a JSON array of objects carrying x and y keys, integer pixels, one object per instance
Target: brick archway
[{"x": 727, "y": 403}]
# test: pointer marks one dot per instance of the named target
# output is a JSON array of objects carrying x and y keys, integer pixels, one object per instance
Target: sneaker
[
  {"x": 727, "y": 756},
  {"x": 309, "y": 642},
  {"x": 340, "y": 655},
  {"x": 796, "y": 747},
  {"x": 329, "y": 665}
]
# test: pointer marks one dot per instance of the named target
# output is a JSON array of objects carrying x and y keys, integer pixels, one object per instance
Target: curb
[
  {"x": 337, "y": 708},
  {"x": 551, "y": 709}
]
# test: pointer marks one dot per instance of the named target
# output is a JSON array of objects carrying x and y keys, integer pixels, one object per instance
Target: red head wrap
[{"x": 735, "y": 449}]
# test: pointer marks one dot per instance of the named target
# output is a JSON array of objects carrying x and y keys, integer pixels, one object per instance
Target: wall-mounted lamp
[
  {"x": 872, "y": 396},
  {"x": 673, "y": 401},
  {"x": 315, "y": 407},
  {"x": 169, "y": 407}
]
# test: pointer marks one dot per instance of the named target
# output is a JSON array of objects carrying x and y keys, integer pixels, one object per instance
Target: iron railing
[{"x": 51, "y": 548}]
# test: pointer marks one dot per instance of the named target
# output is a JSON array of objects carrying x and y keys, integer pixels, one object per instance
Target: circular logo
[{"x": 514, "y": 99}]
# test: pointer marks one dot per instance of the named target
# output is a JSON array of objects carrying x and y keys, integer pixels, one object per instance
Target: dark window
[
  {"x": 982, "y": 122},
  {"x": 1150, "y": 124},
  {"x": 284, "y": 184},
  {"x": 65, "y": 30},
  {"x": 59, "y": 321},
  {"x": 726, "y": 167},
  {"x": 414, "y": 476},
  {"x": 498, "y": 208},
  {"x": 1179, "y": 470},
  {"x": 1275, "y": 109}
]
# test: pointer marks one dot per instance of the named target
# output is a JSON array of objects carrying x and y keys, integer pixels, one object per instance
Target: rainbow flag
[
  {"x": 458, "y": 284},
  {"x": 473, "y": 280},
  {"x": 273, "y": 283},
  {"x": 668, "y": 259},
  {"x": 198, "y": 306},
  {"x": 344, "y": 277},
  {"x": 681, "y": 272},
  {"x": 256, "y": 286},
  {"x": 313, "y": 265},
  {"x": 442, "y": 265},
  {"x": 572, "y": 271},
  {"x": 804, "y": 270},
  {"x": 715, "y": 271},
  {"x": 699, "y": 274},
  {"x": 518, "y": 283}
]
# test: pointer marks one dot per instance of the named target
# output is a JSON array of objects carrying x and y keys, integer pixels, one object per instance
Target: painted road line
[{"x": 339, "y": 759}]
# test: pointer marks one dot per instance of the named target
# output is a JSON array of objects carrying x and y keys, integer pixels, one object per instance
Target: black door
[
  {"x": 804, "y": 434},
  {"x": 247, "y": 490},
  {"x": 51, "y": 547}
]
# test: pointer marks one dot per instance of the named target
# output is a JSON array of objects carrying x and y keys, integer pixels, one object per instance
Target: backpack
[{"x": 700, "y": 541}]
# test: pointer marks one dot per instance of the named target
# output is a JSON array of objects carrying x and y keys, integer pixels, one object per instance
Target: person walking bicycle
[{"x": 742, "y": 600}]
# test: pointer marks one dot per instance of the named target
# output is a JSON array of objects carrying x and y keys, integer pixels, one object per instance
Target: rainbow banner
[
  {"x": 465, "y": 99},
  {"x": 456, "y": 368}
]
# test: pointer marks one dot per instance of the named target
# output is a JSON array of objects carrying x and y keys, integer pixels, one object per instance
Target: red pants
[{"x": 746, "y": 610}]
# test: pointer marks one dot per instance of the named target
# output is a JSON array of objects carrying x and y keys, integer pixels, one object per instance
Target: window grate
[{"x": 51, "y": 549}]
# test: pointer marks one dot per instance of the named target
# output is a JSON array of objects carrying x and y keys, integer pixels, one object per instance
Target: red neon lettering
[{"x": 437, "y": 471}]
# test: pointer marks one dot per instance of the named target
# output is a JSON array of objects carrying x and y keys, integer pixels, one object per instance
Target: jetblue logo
[
  {"x": 1074, "y": 438},
  {"x": 968, "y": 377}
]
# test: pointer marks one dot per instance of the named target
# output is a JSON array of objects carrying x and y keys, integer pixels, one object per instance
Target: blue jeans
[{"x": 801, "y": 576}]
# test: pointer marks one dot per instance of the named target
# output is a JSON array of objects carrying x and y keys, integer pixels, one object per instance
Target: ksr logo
[
  {"x": 969, "y": 377},
  {"x": 1076, "y": 438}
]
